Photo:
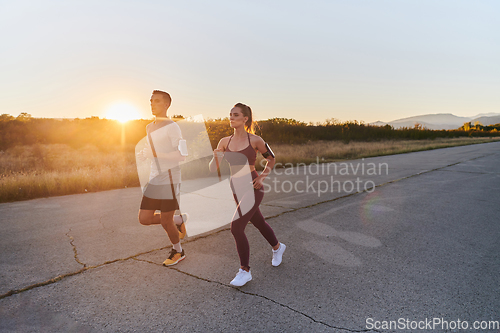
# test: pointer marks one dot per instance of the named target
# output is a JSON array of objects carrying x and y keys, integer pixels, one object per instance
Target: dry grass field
[
  {"x": 332, "y": 151},
  {"x": 28, "y": 172}
]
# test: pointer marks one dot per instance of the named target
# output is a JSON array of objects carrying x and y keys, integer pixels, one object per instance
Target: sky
[{"x": 306, "y": 60}]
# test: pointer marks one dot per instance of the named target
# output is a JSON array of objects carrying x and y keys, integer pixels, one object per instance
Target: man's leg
[
  {"x": 167, "y": 222},
  {"x": 177, "y": 253},
  {"x": 166, "y": 219},
  {"x": 149, "y": 217}
]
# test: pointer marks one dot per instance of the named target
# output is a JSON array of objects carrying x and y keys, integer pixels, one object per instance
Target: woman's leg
[
  {"x": 265, "y": 229},
  {"x": 242, "y": 246},
  {"x": 255, "y": 216},
  {"x": 238, "y": 226}
]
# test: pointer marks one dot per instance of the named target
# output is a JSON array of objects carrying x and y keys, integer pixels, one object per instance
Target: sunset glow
[
  {"x": 122, "y": 112},
  {"x": 366, "y": 61}
]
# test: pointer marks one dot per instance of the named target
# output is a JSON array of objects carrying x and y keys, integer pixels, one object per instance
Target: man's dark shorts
[{"x": 164, "y": 205}]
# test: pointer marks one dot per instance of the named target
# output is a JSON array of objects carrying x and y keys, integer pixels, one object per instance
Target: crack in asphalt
[
  {"x": 256, "y": 295},
  {"x": 271, "y": 205},
  {"x": 292, "y": 210},
  {"x": 473, "y": 172},
  {"x": 71, "y": 240},
  {"x": 41, "y": 284},
  {"x": 62, "y": 276}
]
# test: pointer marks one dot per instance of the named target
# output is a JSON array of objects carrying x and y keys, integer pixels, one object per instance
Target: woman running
[{"x": 239, "y": 150}]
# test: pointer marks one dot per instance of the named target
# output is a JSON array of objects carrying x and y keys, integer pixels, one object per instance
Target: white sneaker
[
  {"x": 278, "y": 255},
  {"x": 241, "y": 278}
]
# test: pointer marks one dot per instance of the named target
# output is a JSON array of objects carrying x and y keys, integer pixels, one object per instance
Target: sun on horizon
[{"x": 122, "y": 112}]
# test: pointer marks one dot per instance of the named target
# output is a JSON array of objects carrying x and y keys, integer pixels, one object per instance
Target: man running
[{"x": 162, "y": 190}]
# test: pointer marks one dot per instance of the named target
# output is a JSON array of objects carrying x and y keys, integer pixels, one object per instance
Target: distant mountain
[
  {"x": 491, "y": 114},
  {"x": 378, "y": 123},
  {"x": 485, "y": 121},
  {"x": 441, "y": 121}
]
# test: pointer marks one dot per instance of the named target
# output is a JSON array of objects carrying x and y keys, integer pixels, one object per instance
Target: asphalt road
[{"x": 422, "y": 245}]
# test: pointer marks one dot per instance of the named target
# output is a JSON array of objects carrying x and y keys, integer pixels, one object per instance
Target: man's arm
[
  {"x": 174, "y": 133},
  {"x": 172, "y": 156}
]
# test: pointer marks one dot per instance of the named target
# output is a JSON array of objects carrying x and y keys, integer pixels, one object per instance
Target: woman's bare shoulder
[
  {"x": 223, "y": 142},
  {"x": 255, "y": 138},
  {"x": 257, "y": 142}
]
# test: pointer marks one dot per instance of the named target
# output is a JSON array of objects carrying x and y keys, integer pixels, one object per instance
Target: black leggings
[{"x": 255, "y": 216}]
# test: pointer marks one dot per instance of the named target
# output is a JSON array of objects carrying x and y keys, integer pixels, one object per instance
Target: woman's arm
[
  {"x": 270, "y": 161},
  {"x": 219, "y": 152}
]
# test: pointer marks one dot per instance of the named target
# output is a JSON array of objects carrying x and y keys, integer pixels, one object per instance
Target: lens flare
[
  {"x": 368, "y": 211},
  {"x": 122, "y": 112}
]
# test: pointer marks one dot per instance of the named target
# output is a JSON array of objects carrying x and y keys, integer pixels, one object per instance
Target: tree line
[{"x": 108, "y": 134}]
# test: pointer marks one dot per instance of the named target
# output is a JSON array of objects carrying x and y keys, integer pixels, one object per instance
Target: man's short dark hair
[{"x": 166, "y": 96}]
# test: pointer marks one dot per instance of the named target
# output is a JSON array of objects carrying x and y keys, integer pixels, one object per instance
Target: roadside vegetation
[
  {"x": 35, "y": 171},
  {"x": 50, "y": 157},
  {"x": 331, "y": 151}
]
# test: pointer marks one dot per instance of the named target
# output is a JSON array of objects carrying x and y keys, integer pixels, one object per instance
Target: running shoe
[
  {"x": 174, "y": 258},
  {"x": 181, "y": 227},
  {"x": 241, "y": 278},
  {"x": 278, "y": 255}
]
